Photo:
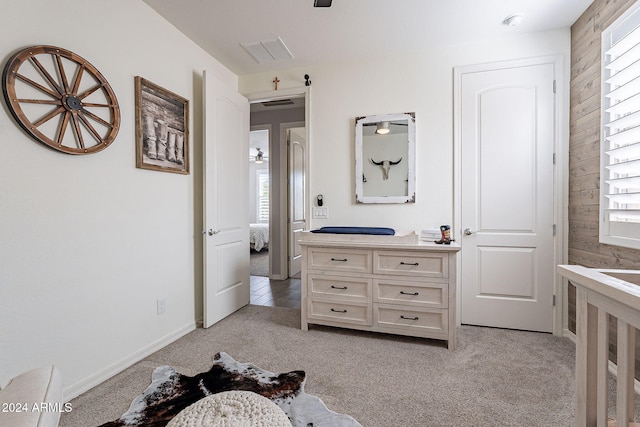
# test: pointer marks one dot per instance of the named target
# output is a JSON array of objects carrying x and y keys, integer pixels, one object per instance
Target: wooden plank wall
[{"x": 584, "y": 153}]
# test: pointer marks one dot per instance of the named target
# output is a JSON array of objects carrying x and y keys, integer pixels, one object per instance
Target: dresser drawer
[
  {"x": 414, "y": 320},
  {"x": 336, "y": 259},
  {"x": 404, "y": 292},
  {"x": 410, "y": 263},
  {"x": 353, "y": 312},
  {"x": 343, "y": 288}
]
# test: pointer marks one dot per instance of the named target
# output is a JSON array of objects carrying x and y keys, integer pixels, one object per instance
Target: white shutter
[
  {"x": 620, "y": 144},
  {"x": 263, "y": 196}
]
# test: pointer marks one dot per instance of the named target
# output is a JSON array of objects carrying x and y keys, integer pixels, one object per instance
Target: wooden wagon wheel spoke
[
  {"x": 38, "y": 86},
  {"x": 46, "y": 75},
  {"x": 63, "y": 75},
  {"x": 43, "y": 70},
  {"x": 38, "y": 101},
  {"x": 77, "y": 131},
  {"x": 48, "y": 117},
  {"x": 96, "y": 118},
  {"x": 90, "y": 104},
  {"x": 86, "y": 93},
  {"x": 76, "y": 82},
  {"x": 63, "y": 127},
  {"x": 90, "y": 128}
]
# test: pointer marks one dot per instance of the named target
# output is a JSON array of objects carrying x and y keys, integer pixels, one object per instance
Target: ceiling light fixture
[
  {"x": 513, "y": 20},
  {"x": 382, "y": 128},
  {"x": 259, "y": 156}
]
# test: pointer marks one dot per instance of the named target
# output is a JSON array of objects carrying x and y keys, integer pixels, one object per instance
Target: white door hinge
[
  {"x": 554, "y": 86},
  {"x": 554, "y": 300},
  {"x": 555, "y": 229}
]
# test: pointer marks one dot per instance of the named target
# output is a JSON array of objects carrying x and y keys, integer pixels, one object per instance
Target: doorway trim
[
  {"x": 286, "y": 189},
  {"x": 296, "y": 92},
  {"x": 561, "y": 157}
]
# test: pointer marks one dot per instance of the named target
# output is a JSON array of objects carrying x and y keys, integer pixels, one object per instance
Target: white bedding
[{"x": 259, "y": 236}]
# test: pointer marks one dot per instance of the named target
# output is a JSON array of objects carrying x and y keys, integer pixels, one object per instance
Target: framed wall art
[{"x": 162, "y": 129}]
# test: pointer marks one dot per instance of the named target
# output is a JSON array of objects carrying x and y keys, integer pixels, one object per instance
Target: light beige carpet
[{"x": 495, "y": 377}]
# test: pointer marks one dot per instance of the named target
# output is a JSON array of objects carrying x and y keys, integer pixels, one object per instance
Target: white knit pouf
[{"x": 232, "y": 409}]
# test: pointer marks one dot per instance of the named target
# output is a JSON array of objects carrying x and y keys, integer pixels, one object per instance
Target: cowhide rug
[{"x": 171, "y": 392}]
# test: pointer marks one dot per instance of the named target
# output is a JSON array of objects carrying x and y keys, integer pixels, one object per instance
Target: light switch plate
[{"x": 320, "y": 213}]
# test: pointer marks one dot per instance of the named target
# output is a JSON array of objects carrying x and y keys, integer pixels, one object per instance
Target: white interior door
[
  {"x": 226, "y": 200},
  {"x": 297, "y": 196},
  {"x": 507, "y": 196}
]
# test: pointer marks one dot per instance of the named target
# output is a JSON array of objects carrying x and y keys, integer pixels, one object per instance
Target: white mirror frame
[{"x": 411, "y": 179}]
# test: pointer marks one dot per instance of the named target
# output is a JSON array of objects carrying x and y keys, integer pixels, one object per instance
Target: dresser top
[{"x": 399, "y": 242}]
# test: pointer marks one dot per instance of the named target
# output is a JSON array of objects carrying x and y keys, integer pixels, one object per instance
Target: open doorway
[
  {"x": 259, "y": 200},
  {"x": 277, "y": 113},
  {"x": 284, "y": 115}
]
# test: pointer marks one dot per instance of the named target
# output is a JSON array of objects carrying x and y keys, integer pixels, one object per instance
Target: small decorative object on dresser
[
  {"x": 382, "y": 283},
  {"x": 446, "y": 235}
]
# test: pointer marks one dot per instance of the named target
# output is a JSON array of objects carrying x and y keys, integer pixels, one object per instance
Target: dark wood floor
[{"x": 275, "y": 293}]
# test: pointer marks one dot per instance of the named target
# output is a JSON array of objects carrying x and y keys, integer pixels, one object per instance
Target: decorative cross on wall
[{"x": 276, "y": 81}]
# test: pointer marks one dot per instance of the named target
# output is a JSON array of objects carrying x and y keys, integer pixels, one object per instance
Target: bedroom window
[
  {"x": 263, "y": 196},
  {"x": 620, "y": 138}
]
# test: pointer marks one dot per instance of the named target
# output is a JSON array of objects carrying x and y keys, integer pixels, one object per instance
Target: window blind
[{"x": 620, "y": 153}]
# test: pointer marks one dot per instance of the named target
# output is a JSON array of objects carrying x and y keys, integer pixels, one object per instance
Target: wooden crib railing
[{"x": 600, "y": 293}]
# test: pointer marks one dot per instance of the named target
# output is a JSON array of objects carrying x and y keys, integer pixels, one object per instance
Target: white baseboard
[
  {"x": 613, "y": 368},
  {"x": 88, "y": 383},
  {"x": 568, "y": 334}
]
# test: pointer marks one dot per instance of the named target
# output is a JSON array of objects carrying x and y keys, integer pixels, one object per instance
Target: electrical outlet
[{"x": 162, "y": 305}]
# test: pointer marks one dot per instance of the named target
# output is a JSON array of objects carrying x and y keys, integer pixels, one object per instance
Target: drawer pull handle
[
  {"x": 408, "y": 263},
  {"x": 344, "y": 288},
  {"x": 408, "y": 318},
  {"x": 415, "y": 294},
  {"x": 339, "y": 259},
  {"x": 338, "y": 311}
]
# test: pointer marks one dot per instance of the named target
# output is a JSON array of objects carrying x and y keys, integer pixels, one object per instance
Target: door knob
[
  {"x": 211, "y": 232},
  {"x": 468, "y": 232}
]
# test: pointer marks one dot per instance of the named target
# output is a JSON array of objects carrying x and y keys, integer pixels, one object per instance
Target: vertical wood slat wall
[{"x": 584, "y": 155}]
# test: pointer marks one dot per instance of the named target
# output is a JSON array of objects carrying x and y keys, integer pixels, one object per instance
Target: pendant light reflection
[{"x": 382, "y": 128}]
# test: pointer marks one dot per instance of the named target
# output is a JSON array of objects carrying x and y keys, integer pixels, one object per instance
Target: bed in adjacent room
[{"x": 259, "y": 236}]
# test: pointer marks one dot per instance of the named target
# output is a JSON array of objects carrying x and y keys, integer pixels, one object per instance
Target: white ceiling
[{"x": 353, "y": 29}]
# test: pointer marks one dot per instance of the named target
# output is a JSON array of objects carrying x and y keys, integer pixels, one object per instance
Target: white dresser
[{"x": 390, "y": 284}]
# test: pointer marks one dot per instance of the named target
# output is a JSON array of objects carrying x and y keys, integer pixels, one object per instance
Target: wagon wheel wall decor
[{"x": 61, "y": 100}]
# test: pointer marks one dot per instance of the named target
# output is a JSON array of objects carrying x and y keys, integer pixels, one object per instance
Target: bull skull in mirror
[{"x": 386, "y": 165}]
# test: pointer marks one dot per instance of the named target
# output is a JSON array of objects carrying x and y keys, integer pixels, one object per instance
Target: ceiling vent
[
  {"x": 270, "y": 50},
  {"x": 321, "y": 3},
  {"x": 277, "y": 103}
]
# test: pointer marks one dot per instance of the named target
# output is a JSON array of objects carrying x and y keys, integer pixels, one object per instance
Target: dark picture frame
[{"x": 162, "y": 128}]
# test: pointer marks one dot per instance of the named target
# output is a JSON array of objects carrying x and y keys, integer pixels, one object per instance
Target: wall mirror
[{"x": 385, "y": 158}]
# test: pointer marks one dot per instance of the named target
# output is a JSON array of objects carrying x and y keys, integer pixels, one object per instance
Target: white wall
[
  {"x": 420, "y": 83},
  {"x": 89, "y": 243}
]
